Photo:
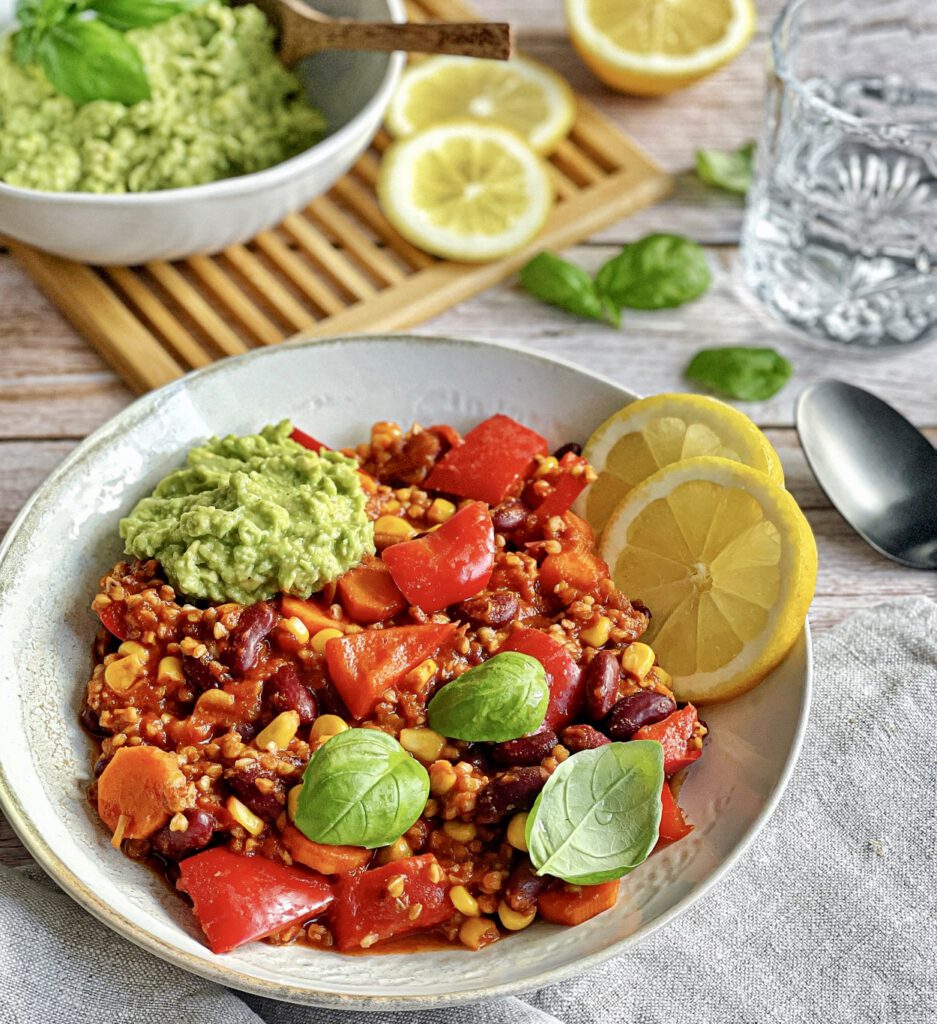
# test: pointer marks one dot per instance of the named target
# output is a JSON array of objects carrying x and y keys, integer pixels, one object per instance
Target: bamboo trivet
[{"x": 336, "y": 267}]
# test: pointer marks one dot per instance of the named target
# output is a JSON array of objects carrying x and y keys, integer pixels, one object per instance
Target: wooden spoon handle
[{"x": 469, "y": 39}]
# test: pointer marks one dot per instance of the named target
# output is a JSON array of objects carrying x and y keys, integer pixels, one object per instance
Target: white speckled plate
[{"x": 66, "y": 537}]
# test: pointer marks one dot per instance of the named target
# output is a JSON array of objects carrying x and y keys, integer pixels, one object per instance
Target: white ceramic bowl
[
  {"x": 352, "y": 90},
  {"x": 67, "y": 536}
]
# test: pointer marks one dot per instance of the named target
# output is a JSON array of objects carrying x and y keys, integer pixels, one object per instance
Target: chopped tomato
[
  {"x": 673, "y": 825},
  {"x": 113, "y": 618},
  {"x": 368, "y": 908},
  {"x": 144, "y": 786},
  {"x": 581, "y": 570},
  {"x": 447, "y": 565},
  {"x": 363, "y": 665},
  {"x": 312, "y": 614},
  {"x": 239, "y": 899},
  {"x": 573, "y": 904},
  {"x": 674, "y": 734},
  {"x": 307, "y": 440},
  {"x": 369, "y": 594},
  {"x": 566, "y": 490},
  {"x": 328, "y": 860},
  {"x": 492, "y": 460},
  {"x": 564, "y": 676}
]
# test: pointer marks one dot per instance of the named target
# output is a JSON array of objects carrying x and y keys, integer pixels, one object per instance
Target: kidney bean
[
  {"x": 494, "y": 609},
  {"x": 285, "y": 691},
  {"x": 524, "y": 888},
  {"x": 99, "y": 765},
  {"x": 477, "y": 755},
  {"x": 509, "y": 515},
  {"x": 91, "y": 723},
  {"x": 636, "y": 710},
  {"x": 176, "y": 845},
  {"x": 198, "y": 673},
  {"x": 571, "y": 448},
  {"x": 264, "y": 803},
  {"x": 256, "y": 621},
  {"x": 583, "y": 737},
  {"x": 513, "y": 790},
  {"x": 526, "y": 750},
  {"x": 601, "y": 684}
]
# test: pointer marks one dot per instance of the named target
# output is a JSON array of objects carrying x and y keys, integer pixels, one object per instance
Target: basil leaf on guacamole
[{"x": 251, "y": 516}]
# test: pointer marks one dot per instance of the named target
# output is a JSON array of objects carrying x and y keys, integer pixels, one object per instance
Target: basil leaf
[
  {"x": 750, "y": 374},
  {"x": 598, "y": 816},
  {"x": 361, "y": 789},
  {"x": 501, "y": 699},
  {"x": 124, "y": 14},
  {"x": 657, "y": 272},
  {"x": 730, "y": 170},
  {"x": 88, "y": 60},
  {"x": 560, "y": 283},
  {"x": 35, "y": 18}
]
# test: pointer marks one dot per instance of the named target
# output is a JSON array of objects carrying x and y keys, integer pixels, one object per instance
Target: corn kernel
[
  {"x": 598, "y": 633},
  {"x": 637, "y": 660},
  {"x": 297, "y": 628},
  {"x": 396, "y": 885},
  {"x": 292, "y": 801},
  {"x": 460, "y": 831},
  {"x": 326, "y": 726},
  {"x": 399, "y": 849},
  {"x": 442, "y": 778},
  {"x": 323, "y": 637},
  {"x": 418, "y": 677},
  {"x": 517, "y": 831},
  {"x": 464, "y": 901},
  {"x": 663, "y": 676},
  {"x": 279, "y": 732},
  {"x": 122, "y": 674},
  {"x": 434, "y": 872},
  {"x": 244, "y": 816},
  {"x": 391, "y": 529},
  {"x": 547, "y": 465},
  {"x": 425, "y": 744},
  {"x": 440, "y": 511},
  {"x": 130, "y": 648},
  {"x": 169, "y": 671},
  {"x": 215, "y": 700},
  {"x": 477, "y": 932},
  {"x": 513, "y": 920}
]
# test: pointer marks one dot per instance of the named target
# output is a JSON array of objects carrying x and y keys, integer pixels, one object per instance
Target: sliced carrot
[
  {"x": 577, "y": 533},
  {"x": 573, "y": 904},
  {"x": 144, "y": 786},
  {"x": 328, "y": 860},
  {"x": 581, "y": 570},
  {"x": 369, "y": 594},
  {"x": 312, "y": 614}
]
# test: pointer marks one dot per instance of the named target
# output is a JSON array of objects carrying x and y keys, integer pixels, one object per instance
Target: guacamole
[
  {"x": 222, "y": 105},
  {"x": 250, "y": 516}
]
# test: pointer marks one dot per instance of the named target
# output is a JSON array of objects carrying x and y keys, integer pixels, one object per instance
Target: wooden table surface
[{"x": 54, "y": 389}]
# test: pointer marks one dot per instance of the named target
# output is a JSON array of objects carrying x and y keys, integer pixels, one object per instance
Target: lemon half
[{"x": 727, "y": 563}]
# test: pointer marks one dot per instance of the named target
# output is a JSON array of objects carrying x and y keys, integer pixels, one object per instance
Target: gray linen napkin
[{"x": 830, "y": 917}]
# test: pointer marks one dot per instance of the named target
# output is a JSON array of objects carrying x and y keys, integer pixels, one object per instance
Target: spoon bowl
[{"x": 877, "y": 469}]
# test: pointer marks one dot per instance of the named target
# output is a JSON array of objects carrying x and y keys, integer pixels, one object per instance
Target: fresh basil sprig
[
  {"x": 361, "y": 789},
  {"x": 87, "y": 57},
  {"x": 501, "y": 699},
  {"x": 561, "y": 283},
  {"x": 747, "y": 373},
  {"x": 598, "y": 816},
  {"x": 727, "y": 169},
  {"x": 658, "y": 272}
]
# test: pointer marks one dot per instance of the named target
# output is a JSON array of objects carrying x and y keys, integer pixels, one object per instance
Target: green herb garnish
[
  {"x": 658, "y": 272},
  {"x": 598, "y": 816},
  {"x": 561, "y": 283},
  {"x": 727, "y": 169},
  {"x": 750, "y": 374}
]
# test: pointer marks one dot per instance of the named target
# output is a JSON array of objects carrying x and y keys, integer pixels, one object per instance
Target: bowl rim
[
  {"x": 60, "y": 873},
  {"x": 240, "y": 184}
]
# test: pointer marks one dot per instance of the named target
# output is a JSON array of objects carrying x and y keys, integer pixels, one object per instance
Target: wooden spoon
[{"x": 304, "y": 30}]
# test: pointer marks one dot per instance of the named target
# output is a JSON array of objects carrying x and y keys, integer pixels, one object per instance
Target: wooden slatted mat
[{"x": 336, "y": 267}]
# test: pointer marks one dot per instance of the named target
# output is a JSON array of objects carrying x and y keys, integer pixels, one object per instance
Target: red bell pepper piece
[
  {"x": 673, "y": 734},
  {"x": 564, "y": 677},
  {"x": 565, "y": 491},
  {"x": 491, "y": 461},
  {"x": 369, "y": 594},
  {"x": 307, "y": 440},
  {"x": 363, "y": 665},
  {"x": 113, "y": 618},
  {"x": 673, "y": 825},
  {"x": 366, "y": 912},
  {"x": 239, "y": 899},
  {"x": 573, "y": 904},
  {"x": 447, "y": 565}
]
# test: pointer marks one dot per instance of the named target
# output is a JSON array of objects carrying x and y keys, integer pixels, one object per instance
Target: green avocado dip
[
  {"x": 251, "y": 516},
  {"x": 221, "y": 105}
]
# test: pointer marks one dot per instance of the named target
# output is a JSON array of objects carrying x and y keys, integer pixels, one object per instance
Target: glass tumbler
[{"x": 840, "y": 234}]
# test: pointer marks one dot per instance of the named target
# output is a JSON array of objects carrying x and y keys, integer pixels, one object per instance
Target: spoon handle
[{"x": 468, "y": 39}]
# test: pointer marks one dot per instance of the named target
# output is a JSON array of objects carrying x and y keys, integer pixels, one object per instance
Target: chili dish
[{"x": 459, "y": 733}]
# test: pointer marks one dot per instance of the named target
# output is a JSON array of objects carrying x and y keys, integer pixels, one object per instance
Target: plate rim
[{"x": 60, "y": 873}]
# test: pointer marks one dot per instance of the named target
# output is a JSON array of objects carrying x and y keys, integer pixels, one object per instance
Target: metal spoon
[{"x": 878, "y": 470}]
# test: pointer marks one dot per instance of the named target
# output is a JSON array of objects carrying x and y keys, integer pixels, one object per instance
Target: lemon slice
[
  {"x": 465, "y": 190},
  {"x": 654, "y": 432},
  {"x": 519, "y": 94},
  {"x": 727, "y": 564},
  {"x": 652, "y": 47}
]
